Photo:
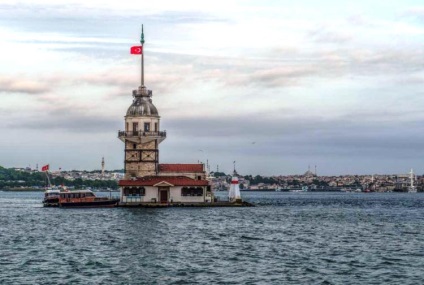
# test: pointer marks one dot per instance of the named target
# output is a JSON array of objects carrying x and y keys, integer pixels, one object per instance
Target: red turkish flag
[
  {"x": 136, "y": 50},
  {"x": 45, "y": 168}
]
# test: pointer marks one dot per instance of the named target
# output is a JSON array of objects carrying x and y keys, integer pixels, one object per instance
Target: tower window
[
  {"x": 134, "y": 146},
  {"x": 135, "y": 128},
  {"x": 156, "y": 127},
  {"x": 126, "y": 127},
  {"x": 147, "y": 127}
]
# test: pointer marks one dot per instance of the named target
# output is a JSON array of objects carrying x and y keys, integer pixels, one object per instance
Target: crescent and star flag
[
  {"x": 45, "y": 168},
  {"x": 136, "y": 50}
]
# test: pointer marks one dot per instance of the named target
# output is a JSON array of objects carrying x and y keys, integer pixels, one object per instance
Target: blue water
[{"x": 289, "y": 238}]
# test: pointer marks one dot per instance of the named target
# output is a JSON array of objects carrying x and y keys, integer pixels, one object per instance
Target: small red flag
[
  {"x": 136, "y": 50},
  {"x": 45, "y": 168}
]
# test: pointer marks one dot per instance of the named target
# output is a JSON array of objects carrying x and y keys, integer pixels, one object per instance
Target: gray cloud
[
  {"x": 261, "y": 143},
  {"x": 79, "y": 20},
  {"x": 175, "y": 17},
  {"x": 58, "y": 114},
  {"x": 289, "y": 137},
  {"x": 291, "y": 71},
  {"x": 287, "y": 123},
  {"x": 74, "y": 122}
]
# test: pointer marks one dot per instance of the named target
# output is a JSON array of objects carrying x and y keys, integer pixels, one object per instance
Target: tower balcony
[{"x": 141, "y": 137}]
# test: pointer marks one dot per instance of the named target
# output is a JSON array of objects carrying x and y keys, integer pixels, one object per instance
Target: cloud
[
  {"x": 386, "y": 60},
  {"x": 325, "y": 35},
  {"x": 414, "y": 79},
  {"x": 184, "y": 17},
  {"x": 163, "y": 77},
  {"x": 323, "y": 84},
  {"x": 277, "y": 72},
  {"x": 361, "y": 133},
  {"x": 118, "y": 77},
  {"x": 68, "y": 121},
  {"x": 415, "y": 13},
  {"x": 358, "y": 20},
  {"x": 82, "y": 19},
  {"x": 19, "y": 84}
]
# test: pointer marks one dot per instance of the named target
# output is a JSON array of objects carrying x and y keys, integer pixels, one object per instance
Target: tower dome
[
  {"x": 142, "y": 104},
  {"x": 141, "y": 107}
]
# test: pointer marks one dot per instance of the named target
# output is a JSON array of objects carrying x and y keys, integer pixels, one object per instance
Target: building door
[{"x": 164, "y": 196}]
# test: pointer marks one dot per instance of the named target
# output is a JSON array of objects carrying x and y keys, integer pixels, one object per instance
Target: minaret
[
  {"x": 103, "y": 166},
  {"x": 412, "y": 178},
  {"x": 142, "y": 133}
]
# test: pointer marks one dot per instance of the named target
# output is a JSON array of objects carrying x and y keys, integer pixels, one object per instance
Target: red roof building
[
  {"x": 169, "y": 180},
  {"x": 181, "y": 167}
]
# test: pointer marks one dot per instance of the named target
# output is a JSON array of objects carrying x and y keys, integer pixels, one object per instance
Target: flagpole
[{"x": 142, "y": 56}]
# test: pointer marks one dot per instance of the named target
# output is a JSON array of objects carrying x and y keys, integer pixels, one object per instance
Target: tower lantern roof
[{"x": 142, "y": 106}]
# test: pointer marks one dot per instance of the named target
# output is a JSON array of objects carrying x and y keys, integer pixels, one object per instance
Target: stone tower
[{"x": 142, "y": 133}]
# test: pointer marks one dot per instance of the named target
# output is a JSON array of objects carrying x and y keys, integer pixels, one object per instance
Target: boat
[
  {"x": 51, "y": 198},
  {"x": 51, "y": 193},
  {"x": 85, "y": 198},
  {"x": 77, "y": 198}
]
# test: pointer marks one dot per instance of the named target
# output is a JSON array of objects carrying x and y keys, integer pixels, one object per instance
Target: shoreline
[{"x": 42, "y": 190}]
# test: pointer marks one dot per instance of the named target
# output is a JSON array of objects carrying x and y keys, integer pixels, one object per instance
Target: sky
[{"x": 276, "y": 86}]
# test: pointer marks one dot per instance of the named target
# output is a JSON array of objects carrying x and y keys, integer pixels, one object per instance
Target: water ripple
[{"x": 290, "y": 238}]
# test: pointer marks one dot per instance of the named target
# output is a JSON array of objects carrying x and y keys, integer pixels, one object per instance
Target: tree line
[{"x": 10, "y": 178}]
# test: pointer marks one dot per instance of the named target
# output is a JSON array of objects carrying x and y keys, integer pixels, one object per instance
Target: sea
[{"x": 288, "y": 238}]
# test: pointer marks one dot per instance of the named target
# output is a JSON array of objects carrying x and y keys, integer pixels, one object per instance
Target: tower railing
[{"x": 141, "y": 134}]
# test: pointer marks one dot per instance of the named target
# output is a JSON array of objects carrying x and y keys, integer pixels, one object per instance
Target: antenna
[{"x": 142, "y": 55}]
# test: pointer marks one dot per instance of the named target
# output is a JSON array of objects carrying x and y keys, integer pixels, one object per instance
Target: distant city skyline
[{"x": 273, "y": 85}]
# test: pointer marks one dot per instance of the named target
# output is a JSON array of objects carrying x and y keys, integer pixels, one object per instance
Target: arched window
[
  {"x": 198, "y": 191},
  {"x": 142, "y": 191},
  {"x": 185, "y": 191},
  {"x": 192, "y": 191},
  {"x": 134, "y": 191}
]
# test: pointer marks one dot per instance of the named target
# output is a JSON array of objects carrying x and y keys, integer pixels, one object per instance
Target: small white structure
[{"x": 234, "y": 193}]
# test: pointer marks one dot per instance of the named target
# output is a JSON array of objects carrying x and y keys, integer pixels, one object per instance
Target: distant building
[{"x": 309, "y": 173}]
